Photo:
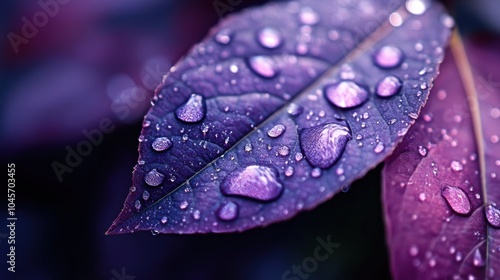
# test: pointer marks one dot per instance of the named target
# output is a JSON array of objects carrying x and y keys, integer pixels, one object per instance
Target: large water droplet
[
  {"x": 388, "y": 57},
  {"x": 308, "y": 16},
  {"x": 276, "y": 131},
  {"x": 269, "y": 38},
  {"x": 389, "y": 86},
  {"x": 478, "y": 259},
  {"x": 154, "y": 178},
  {"x": 193, "y": 110},
  {"x": 346, "y": 94},
  {"x": 264, "y": 66},
  {"x": 324, "y": 144},
  {"x": 161, "y": 144},
  {"x": 228, "y": 211},
  {"x": 457, "y": 199},
  {"x": 254, "y": 181},
  {"x": 493, "y": 215}
]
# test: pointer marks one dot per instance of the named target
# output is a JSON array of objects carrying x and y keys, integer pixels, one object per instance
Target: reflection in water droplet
[
  {"x": 137, "y": 205},
  {"x": 346, "y": 94},
  {"x": 228, "y": 212},
  {"x": 323, "y": 145},
  {"x": 388, "y": 57},
  {"x": 294, "y": 109},
  {"x": 161, "y": 144},
  {"x": 154, "y": 178},
  {"x": 263, "y": 66},
  {"x": 193, "y": 110},
  {"x": 145, "y": 195},
  {"x": 492, "y": 215},
  {"x": 457, "y": 199},
  {"x": 276, "y": 131},
  {"x": 269, "y": 38},
  {"x": 254, "y": 181},
  {"x": 388, "y": 86},
  {"x": 223, "y": 36},
  {"x": 478, "y": 259},
  {"x": 308, "y": 16},
  {"x": 416, "y": 7}
]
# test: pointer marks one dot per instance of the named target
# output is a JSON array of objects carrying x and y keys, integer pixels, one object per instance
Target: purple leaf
[
  {"x": 442, "y": 183},
  {"x": 275, "y": 112}
]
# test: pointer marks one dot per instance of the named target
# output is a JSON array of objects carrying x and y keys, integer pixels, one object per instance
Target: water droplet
[
  {"x": 457, "y": 199},
  {"x": 395, "y": 19},
  {"x": 422, "y": 151},
  {"x": 289, "y": 171},
  {"x": 183, "y": 205},
  {"x": 413, "y": 251},
  {"x": 379, "y": 148},
  {"x": 193, "y": 110},
  {"x": 276, "y": 131},
  {"x": 196, "y": 214},
  {"x": 299, "y": 157},
  {"x": 346, "y": 94},
  {"x": 316, "y": 172},
  {"x": 145, "y": 195},
  {"x": 456, "y": 166},
  {"x": 324, "y": 144},
  {"x": 263, "y": 66},
  {"x": 257, "y": 182},
  {"x": 284, "y": 151},
  {"x": 223, "y": 36},
  {"x": 458, "y": 256},
  {"x": 422, "y": 197},
  {"x": 248, "y": 147},
  {"x": 308, "y": 16},
  {"x": 164, "y": 220},
  {"x": 493, "y": 215},
  {"x": 389, "y": 86},
  {"x": 388, "y": 57},
  {"x": 269, "y": 38},
  {"x": 294, "y": 109},
  {"x": 416, "y": 7},
  {"x": 154, "y": 232},
  {"x": 413, "y": 115},
  {"x": 478, "y": 260},
  {"x": 228, "y": 212},
  {"x": 161, "y": 144},
  {"x": 154, "y": 178},
  {"x": 137, "y": 205}
]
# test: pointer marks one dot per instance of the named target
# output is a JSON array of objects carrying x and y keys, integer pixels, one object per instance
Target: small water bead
[
  {"x": 413, "y": 115},
  {"x": 492, "y": 215},
  {"x": 254, "y": 181},
  {"x": 223, "y": 36},
  {"x": 234, "y": 68},
  {"x": 299, "y": 157},
  {"x": 457, "y": 199},
  {"x": 316, "y": 172},
  {"x": 184, "y": 204},
  {"x": 196, "y": 214},
  {"x": 422, "y": 151},
  {"x": 458, "y": 256},
  {"x": 289, "y": 171},
  {"x": 395, "y": 19},
  {"x": 456, "y": 166},
  {"x": 263, "y": 66},
  {"x": 276, "y": 131},
  {"x": 389, "y": 86},
  {"x": 478, "y": 260},
  {"x": 146, "y": 123},
  {"x": 154, "y": 178},
  {"x": 388, "y": 56},
  {"x": 422, "y": 197},
  {"x": 164, "y": 220},
  {"x": 284, "y": 151},
  {"x": 248, "y": 147},
  {"x": 379, "y": 148},
  {"x": 294, "y": 109},
  {"x": 161, "y": 144},
  {"x": 413, "y": 251},
  {"x": 323, "y": 145},
  {"x": 308, "y": 16},
  {"x": 346, "y": 94},
  {"x": 228, "y": 212},
  {"x": 269, "y": 38},
  {"x": 416, "y": 7},
  {"x": 137, "y": 205},
  {"x": 145, "y": 195},
  {"x": 193, "y": 110}
]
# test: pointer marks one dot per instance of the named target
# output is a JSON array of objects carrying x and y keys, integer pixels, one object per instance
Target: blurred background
[{"x": 91, "y": 61}]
